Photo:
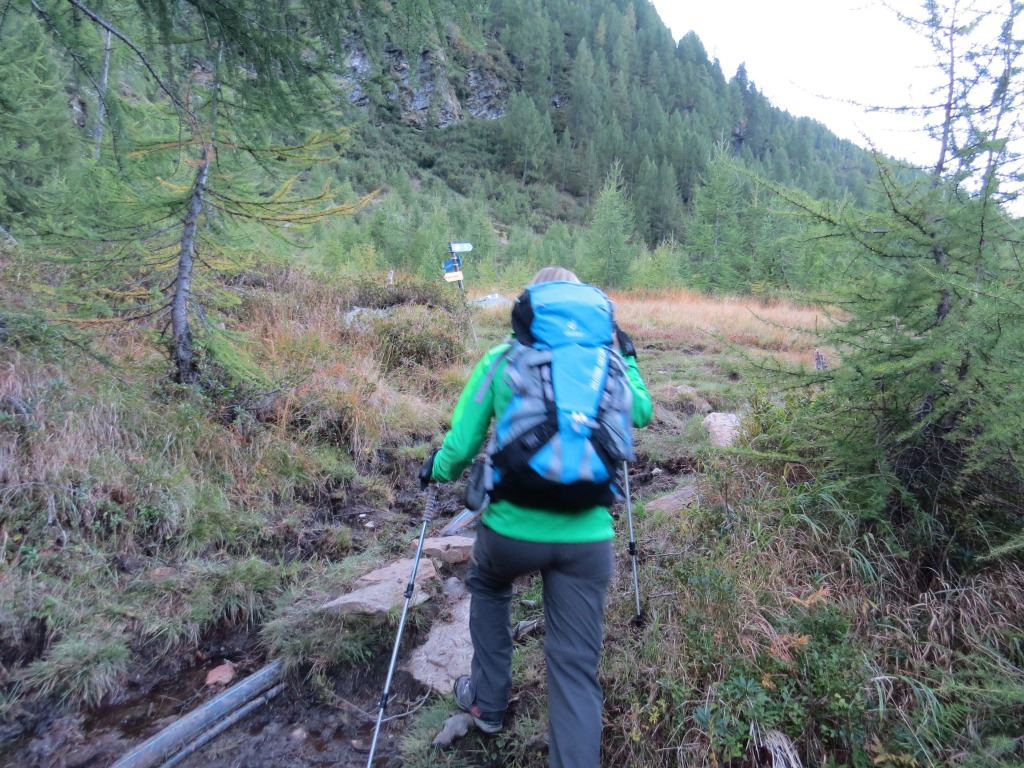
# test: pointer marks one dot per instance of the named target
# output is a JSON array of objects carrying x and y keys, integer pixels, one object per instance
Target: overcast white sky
[{"x": 813, "y": 57}]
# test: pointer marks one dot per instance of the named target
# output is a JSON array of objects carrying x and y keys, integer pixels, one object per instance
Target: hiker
[{"x": 572, "y": 550}]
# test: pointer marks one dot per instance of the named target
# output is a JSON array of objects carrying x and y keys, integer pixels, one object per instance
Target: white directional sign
[
  {"x": 460, "y": 247},
  {"x": 452, "y": 277}
]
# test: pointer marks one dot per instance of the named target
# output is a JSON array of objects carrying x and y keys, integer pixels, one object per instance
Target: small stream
[{"x": 292, "y": 730}]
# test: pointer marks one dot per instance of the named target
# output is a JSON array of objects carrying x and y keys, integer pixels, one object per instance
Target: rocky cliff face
[{"x": 428, "y": 90}]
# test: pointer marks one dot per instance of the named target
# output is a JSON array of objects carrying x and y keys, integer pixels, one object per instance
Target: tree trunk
[
  {"x": 947, "y": 119},
  {"x": 939, "y": 254},
  {"x": 183, "y": 352},
  {"x": 101, "y": 110}
]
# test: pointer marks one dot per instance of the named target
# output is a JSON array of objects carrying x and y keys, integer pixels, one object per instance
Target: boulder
[
  {"x": 449, "y": 549},
  {"x": 675, "y": 502},
  {"x": 491, "y": 300},
  {"x": 686, "y": 399},
  {"x": 379, "y": 591},
  {"x": 455, "y": 727},
  {"x": 454, "y": 589},
  {"x": 723, "y": 428},
  {"x": 447, "y": 652}
]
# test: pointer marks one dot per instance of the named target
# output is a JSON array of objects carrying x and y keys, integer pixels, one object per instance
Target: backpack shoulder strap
[{"x": 485, "y": 383}]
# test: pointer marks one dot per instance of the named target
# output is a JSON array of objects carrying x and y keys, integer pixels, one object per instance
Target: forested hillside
[
  {"x": 605, "y": 81},
  {"x": 226, "y": 347},
  {"x": 573, "y": 100}
]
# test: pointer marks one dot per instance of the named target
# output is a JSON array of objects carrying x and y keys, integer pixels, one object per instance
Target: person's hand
[
  {"x": 626, "y": 347},
  {"x": 427, "y": 470}
]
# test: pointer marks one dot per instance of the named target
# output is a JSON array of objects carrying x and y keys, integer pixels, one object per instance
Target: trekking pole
[
  {"x": 428, "y": 514},
  {"x": 638, "y": 619}
]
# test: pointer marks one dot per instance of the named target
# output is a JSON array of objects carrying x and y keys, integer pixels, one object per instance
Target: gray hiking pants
[{"x": 576, "y": 580}]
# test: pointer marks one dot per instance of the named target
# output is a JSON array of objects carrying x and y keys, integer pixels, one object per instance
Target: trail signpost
[
  {"x": 453, "y": 266},
  {"x": 453, "y": 269}
]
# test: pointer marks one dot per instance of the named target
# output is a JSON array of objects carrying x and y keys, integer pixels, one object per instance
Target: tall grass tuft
[{"x": 80, "y": 670}]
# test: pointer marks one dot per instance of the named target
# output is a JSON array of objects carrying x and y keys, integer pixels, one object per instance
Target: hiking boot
[{"x": 463, "y": 691}]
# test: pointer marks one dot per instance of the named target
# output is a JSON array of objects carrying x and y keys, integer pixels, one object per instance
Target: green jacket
[{"x": 470, "y": 424}]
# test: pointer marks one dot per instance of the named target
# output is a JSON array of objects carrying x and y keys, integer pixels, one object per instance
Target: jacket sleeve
[
  {"x": 470, "y": 421},
  {"x": 642, "y": 407}
]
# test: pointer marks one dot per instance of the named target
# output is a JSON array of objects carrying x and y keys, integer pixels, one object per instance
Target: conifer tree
[
  {"x": 932, "y": 421},
  {"x": 718, "y": 259},
  {"x": 241, "y": 82},
  {"x": 657, "y": 204},
  {"x": 654, "y": 270},
  {"x": 527, "y": 136},
  {"x": 37, "y": 140},
  {"x": 644, "y": 198},
  {"x": 565, "y": 156},
  {"x": 609, "y": 239},
  {"x": 586, "y": 97}
]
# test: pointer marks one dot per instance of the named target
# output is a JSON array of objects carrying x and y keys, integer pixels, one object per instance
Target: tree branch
[{"x": 135, "y": 49}]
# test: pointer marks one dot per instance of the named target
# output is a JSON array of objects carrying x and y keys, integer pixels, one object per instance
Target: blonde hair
[{"x": 548, "y": 274}]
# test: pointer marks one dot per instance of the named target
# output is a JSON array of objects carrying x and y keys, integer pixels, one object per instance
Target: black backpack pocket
[{"x": 475, "y": 496}]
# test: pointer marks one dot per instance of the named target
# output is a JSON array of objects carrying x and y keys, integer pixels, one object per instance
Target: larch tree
[
  {"x": 233, "y": 103},
  {"x": 718, "y": 260},
  {"x": 36, "y": 138},
  {"x": 527, "y": 136},
  {"x": 609, "y": 240},
  {"x": 932, "y": 427}
]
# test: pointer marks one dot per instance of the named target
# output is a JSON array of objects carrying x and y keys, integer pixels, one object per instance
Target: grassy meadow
[{"x": 141, "y": 520}]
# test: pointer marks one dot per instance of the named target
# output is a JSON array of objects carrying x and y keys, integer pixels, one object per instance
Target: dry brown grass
[
  {"x": 681, "y": 321},
  {"x": 92, "y": 464},
  {"x": 47, "y": 453},
  {"x": 688, "y": 318},
  {"x": 335, "y": 386}
]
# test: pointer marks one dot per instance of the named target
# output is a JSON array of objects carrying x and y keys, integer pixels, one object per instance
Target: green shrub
[
  {"x": 413, "y": 335},
  {"x": 430, "y": 293}
]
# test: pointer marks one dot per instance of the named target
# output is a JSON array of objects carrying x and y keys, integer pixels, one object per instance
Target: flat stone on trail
[
  {"x": 447, "y": 652},
  {"x": 449, "y": 549},
  {"x": 723, "y": 428},
  {"x": 379, "y": 591},
  {"x": 455, "y": 727},
  {"x": 397, "y": 572},
  {"x": 675, "y": 502}
]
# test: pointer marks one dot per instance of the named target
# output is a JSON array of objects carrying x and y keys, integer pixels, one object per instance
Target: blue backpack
[{"x": 561, "y": 441}]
